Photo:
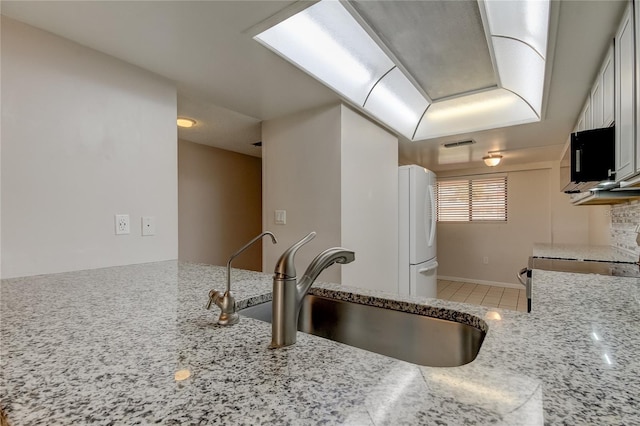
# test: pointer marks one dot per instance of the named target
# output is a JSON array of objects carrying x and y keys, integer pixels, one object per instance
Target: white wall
[
  {"x": 334, "y": 172},
  {"x": 0, "y": 142},
  {"x": 575, "y": 224},
  {"x": 369, "y": 202},
  {"x": 220, "y": 205},
  {"x": 301, "y": 174},
  {"x": 84, "y": 136},
  {"x": 537, "y": 213}
]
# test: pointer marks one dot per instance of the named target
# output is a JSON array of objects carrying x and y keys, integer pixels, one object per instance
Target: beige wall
[
  {"x": 220, "y": 205},
  {"x": 537, "y": 213},
  {"x": 84, "y": 137},
  {"x": 462, "y": 246}
]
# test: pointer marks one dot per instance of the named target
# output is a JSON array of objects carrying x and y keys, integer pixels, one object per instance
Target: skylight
[{"x": 327, "y": 42}]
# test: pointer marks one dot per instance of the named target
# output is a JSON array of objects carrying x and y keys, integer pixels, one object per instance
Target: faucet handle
[
  {"x": 213, "y": 296},
  {"x": 285, "y": 267}
]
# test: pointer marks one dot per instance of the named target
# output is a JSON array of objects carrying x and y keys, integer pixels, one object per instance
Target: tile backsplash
[{"x": 624, "y": 218}]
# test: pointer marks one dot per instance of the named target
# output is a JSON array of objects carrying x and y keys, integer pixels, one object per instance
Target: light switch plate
[{"x": 281, "y": 217}]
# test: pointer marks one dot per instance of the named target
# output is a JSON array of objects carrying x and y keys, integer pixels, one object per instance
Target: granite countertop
[
  {"x": 583, "y": 252},
  {"x": 102, "y": 346}
]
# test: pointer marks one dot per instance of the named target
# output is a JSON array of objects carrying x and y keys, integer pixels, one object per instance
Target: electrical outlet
[
  {"x": 122, "y": 224},
  {"x": 485, "y": 260},
  {"x": 148, "y": 225}
]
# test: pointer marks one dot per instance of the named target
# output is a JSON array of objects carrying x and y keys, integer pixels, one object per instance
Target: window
[{"x": 472, "y": 199}]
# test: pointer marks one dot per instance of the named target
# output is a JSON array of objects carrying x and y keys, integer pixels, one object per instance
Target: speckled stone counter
[
  {"x": 102, "y": 347},
  {"x": 583, "y": 252}
]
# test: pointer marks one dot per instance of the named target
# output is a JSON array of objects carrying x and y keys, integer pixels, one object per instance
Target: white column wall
[
  {"x": 301, "y": 174},
  {"x": 84, "y": 137},
  {"x": 369, "y": 203},
  {"x": 0, "y": 143}
]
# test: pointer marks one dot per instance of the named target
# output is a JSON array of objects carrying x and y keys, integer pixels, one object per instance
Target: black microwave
[{"x": 589, "y": 161}]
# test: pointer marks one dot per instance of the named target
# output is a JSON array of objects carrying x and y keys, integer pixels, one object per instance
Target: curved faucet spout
[
  {"x": 285, "y": 267},
  {"x": 319, "y": 264},
  {"x": 288, "y": 293},
  {"x": 246, "y": 246}
]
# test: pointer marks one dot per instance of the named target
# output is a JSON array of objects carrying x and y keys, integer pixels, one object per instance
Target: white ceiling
[{"x": 229, "y": 83}]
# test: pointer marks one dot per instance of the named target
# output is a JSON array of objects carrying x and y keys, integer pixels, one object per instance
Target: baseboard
[{"x": 469, "y": 280}]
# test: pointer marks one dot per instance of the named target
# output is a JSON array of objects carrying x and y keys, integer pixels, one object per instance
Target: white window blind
[{"x": 472, "y": 199}]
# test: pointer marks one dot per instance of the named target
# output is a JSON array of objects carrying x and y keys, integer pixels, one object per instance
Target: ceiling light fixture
[
  {"x": 492, "y": 160},
  {"x": 186, "y": 122},
  {"x": 326, "y": 41}
]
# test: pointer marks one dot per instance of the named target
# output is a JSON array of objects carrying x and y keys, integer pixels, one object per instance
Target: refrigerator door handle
[
  {"x": 433, "y": 265},
  {"x": 432, "y": 230}
]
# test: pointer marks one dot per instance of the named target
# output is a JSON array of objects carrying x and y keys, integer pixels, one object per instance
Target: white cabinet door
[
  {"x": 587, "y": 115},
  {"x": 584, "y": 122},
  {"x": 607, "y": 84},
  {"x": 602, "y": 94},
  {"x": 580, "y": 125},
  {"x": 625, "y": 99},
  {"x": 597, "y": 106},
  {"x": 636, "y": 18}
]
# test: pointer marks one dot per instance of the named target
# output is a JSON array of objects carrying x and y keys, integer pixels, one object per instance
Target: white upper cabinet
[
  {"x": 586, "y": 115},
  {"x": 584, "y": 120},
  {"x": 597, "y": 105},
  {"x": 580, "y": 125},
  {"x": 636, "y": 102},
  {"x": 598, "y": 110},
  {"x": 625, "y": 96},
  {"x": 602, "y": 94},
  {"x": 608, "y": 86}
]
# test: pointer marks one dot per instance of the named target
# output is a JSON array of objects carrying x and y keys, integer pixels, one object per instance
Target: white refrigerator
[{"x": 417, "y": 232}]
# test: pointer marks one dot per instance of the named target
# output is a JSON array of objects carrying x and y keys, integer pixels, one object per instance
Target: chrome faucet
[
  {"x": 226, "y": 302},
  {"x": 288, "y": 293}
]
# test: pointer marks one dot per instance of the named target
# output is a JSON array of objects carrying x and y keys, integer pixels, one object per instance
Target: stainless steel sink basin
[{"x": 410, "y": 337}]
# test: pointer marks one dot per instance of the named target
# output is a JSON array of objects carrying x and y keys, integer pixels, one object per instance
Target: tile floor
[{"x": 485, "y": 295}]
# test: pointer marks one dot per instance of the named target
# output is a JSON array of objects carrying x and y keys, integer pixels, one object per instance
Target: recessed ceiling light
[{"x": 186, "y": 122}]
